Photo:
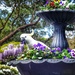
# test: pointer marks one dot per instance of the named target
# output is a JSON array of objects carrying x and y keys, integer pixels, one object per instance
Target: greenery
[
  {"x": 58, "y": 4},
  {"x": 40, "y": 52},
  {"x": 21, "y": 14},
  {"x": 8, "y": 70},
  {"x": 10, "y": 51},
  {"x": 21, "y": 18},
  {"x": 12, "y": 42},
  {"x": 35, "y": 54}
]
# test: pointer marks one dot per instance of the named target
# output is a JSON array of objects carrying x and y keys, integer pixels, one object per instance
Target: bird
[{"x": 30, "y": 41}]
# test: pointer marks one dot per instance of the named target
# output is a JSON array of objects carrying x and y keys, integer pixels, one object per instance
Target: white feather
[{"x": 30, "y": 41}]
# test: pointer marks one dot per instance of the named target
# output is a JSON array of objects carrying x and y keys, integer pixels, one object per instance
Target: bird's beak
[{"x": 23, "y": 41}]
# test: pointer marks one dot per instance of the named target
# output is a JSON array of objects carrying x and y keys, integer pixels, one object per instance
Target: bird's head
[{"x": 26, "y": 37}]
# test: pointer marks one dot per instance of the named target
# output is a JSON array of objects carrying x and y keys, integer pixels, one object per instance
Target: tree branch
[
  {"x": 13, "y": 23},
  {"x": 3, "y": 25},
  {"x": 48, "y": 39},
  {"x": 23, "y": 20},
  {"x": 9, "y": 17},
  {"x": 33, "y": 13},
  {"x": 17, "y": 30}
]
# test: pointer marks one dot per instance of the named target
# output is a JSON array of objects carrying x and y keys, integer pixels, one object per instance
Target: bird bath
[{"x": 60, "y": 19}]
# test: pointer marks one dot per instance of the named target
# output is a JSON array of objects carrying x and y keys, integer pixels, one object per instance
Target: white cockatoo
[{"x": 30, "y": 41}]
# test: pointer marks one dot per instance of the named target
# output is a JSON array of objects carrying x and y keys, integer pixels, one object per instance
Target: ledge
[{"x": 15, "y": 62}]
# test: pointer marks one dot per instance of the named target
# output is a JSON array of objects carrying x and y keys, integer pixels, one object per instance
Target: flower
[
  {"x": 47, "y": 1},
  {"x": 69, "y": 50},
  {"x": 64, "y": 57},
  {"x": 58, "y": 49},
  {"x": 39, "y": 46},
  {"x": 73, "y": 53},
  {"x": 58, "y": 4},
  {"x": 10, "y": 46},
  {"x": 40, "y": 52},
  {"x": 10, "y": 52},
  {"x": 52, "y": 4}
]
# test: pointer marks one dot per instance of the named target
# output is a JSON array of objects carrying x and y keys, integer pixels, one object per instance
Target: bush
[{"x": 10, "y": 51}]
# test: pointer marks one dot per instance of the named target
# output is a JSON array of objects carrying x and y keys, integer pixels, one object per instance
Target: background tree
[{"x": 21, "y": 16}]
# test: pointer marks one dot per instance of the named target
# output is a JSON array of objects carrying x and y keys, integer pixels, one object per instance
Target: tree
[{"x": 22, "y": 16}]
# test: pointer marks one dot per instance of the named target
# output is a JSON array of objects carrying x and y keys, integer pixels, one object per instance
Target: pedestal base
[{"x": 59, "y": 39}]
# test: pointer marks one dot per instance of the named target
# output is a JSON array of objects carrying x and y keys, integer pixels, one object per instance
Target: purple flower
[
  {"x": 20, "y": 50},
  {"x": 13, "y": 51},
  {"x": 5, "y": 53},
  {"x": 61, "y": 3},
  {"x": 16, "y": 51},
  {"x": 10, "y": 46},
  {"x": 39, "y": 46},
  {"x": 22, "y": 46},
  {"x": 65, "y": 57},
  {"x": 69, "y": 50},
  {"x": 10, "y": 51},
  {"x": 47, "y": 1},
  {"x": 58, "y": 49},
  {"x": 53, "y": 51},
  {"x": 35, "y": 46},
  {"x": 73, "y": 54},
  {"x": 42, "y": 48}
]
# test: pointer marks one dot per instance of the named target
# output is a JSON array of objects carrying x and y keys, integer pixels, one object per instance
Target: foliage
[
  {"x": 58, "y": 4},
  {"x": 8, "y": 70},
  {"x": 40, "y": 52},
  {"x": 41, "y": 39},
  {"x": 11, "y": 51},
  {"x": 22, "y": 12}
]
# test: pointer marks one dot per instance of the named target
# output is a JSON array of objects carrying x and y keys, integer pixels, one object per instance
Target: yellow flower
[{"x": 56, "y": 0}]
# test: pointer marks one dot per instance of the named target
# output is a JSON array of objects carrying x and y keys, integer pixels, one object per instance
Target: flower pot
[
  {"x": 60, "y": 19},
  {"x": 45, "y": 67}
]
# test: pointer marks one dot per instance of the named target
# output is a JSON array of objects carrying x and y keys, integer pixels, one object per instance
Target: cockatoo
[{"x": 30, "y": 41}]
